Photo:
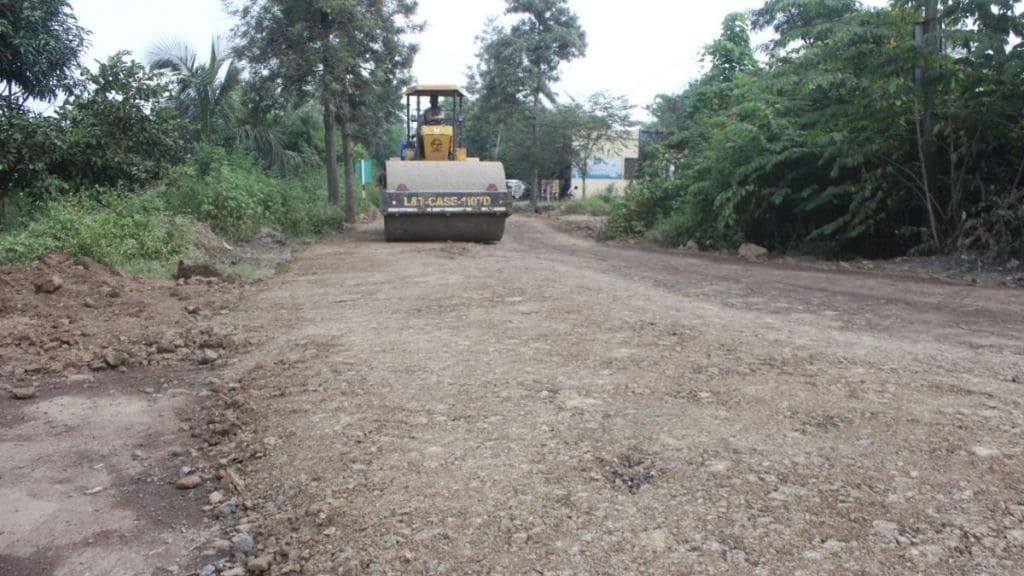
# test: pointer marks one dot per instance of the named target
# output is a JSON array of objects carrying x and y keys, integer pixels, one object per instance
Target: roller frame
[{"x": 426, "y": 201}]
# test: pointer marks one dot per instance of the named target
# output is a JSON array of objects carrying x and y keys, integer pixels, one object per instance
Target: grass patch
[
  {"x": 236, "y": 198},
  {"x": 113, "y": 228},
  {"x": 598, "y": 205},
  {"x": 145, "y": 233}
]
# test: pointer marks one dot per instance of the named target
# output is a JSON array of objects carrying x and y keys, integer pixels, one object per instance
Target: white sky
[{"x": 638, "y": 48}]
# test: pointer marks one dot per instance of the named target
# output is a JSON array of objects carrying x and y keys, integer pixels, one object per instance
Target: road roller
[{"x": 434, "y": 191}]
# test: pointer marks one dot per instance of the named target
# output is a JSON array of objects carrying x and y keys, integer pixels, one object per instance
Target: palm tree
[
  {"x": 203, "y": 92},
  {"x": 206, "y": 96}
]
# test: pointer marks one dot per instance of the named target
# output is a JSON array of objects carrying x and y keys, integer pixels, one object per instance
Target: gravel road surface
[{"x": 549, "y": 405}]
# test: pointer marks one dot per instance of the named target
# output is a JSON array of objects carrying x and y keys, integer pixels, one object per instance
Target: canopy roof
[{"x": 442, "y": 90}]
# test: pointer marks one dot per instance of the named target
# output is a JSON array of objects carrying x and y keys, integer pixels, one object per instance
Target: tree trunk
[
  {"x": 927, "y": 144},
  {"x": 1016, "y": 181},
  {"x": 535, "y": 190},
  {"x": 350, "y": 172},
  {"x": 928, "y": 174},
  {"x": 331, "y": 152},
  {"x": 583, "y": 173}
]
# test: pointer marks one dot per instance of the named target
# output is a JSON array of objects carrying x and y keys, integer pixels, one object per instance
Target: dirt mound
[{"x": 63, "y": 316}]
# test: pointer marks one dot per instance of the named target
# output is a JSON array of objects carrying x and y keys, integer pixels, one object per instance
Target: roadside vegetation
[
  {"x": 129, "y": 157},
  {"x": 848, "y": 137},
  {"x": 594, "y": 205},
  {"x": 842, "y": 135}
]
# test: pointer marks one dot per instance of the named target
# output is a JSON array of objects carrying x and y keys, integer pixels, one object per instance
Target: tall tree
[
  {"x": 40, "y": 45},
  {"x": 375, "y": 82},
  {"x": 603, "y": 121},
  {"x": 331, "y": 50},
  {"x": 832, "y": 146},
  {"x": 520, "y": 65},
  {"x": 114, "y": 131}
]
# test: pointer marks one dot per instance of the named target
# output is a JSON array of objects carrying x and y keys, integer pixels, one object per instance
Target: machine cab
[{"x": 436, "y": 111}]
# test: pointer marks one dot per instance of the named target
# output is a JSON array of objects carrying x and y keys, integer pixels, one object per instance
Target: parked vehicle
[{"x": 517, "y": 188}]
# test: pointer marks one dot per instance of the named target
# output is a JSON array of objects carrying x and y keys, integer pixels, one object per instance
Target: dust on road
[{"x": 549, "y": 405}]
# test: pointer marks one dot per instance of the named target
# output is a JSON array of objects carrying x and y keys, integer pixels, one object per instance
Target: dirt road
[{"x": 549, "y": 405}]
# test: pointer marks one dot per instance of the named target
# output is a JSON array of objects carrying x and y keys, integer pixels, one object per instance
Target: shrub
[
  {"x": 641, "y": 206},
  {"x": 232, "y": 194},
  {"x": 598, "y": 205},
  {"x": 111, "y": 227}
]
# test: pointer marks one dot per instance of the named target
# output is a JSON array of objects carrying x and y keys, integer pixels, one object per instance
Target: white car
[{"x": 517, "y": 188}]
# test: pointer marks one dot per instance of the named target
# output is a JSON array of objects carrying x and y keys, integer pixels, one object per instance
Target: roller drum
[
  {"x": 470, "y": 177},
  {"x": 427, "y": 176}
]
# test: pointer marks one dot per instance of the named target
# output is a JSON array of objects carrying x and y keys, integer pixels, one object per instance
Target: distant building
[{"x": 614, "y": 166}]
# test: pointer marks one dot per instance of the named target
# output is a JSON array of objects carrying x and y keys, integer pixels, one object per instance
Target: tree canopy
[
  {"x": 518, "y": 66},
  {"x": 350, "y": 55},
  {"x": 827, "y": 145},
  {"x": 40, "y": 45}
]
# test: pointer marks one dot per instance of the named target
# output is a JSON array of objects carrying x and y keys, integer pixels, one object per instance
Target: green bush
[
  {"x": 232, "y": 194},
  {"x": 641, "y": 206},
  {"x": 111, "y": 227},
  {"x": 597, "y": 205}
]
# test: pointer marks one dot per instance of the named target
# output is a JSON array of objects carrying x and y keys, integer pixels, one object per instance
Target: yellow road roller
[{"x": 434, "y": 191}]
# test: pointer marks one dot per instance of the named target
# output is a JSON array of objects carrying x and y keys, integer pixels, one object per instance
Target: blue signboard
[{"x": 603, "y": 169}]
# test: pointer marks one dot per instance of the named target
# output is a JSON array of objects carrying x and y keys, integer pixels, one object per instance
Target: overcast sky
[{"x": 638, "y": 48}]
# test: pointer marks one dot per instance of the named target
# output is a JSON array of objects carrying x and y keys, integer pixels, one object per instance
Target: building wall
[{"x": 609, "y": 167}]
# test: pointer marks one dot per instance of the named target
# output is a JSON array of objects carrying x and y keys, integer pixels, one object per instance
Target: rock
[
  {"x": 188, "y": 482},
  {"x": 80, "y": 379},
  {"x": 1016, "y": 536},
  {"x": 23, "y": 393},
  {"x": 736, "y": 555},
  {"x": 888, "y": 531},
  {"x": 752, "y": 252},
  {"x": 215, "y": 498},
  {"x": 233, "y": 480},
  {"x": 656, "y": 540},
  {"x": 261, "y": 564},
  {"x": 205, "y": 357},
  {"x": 54, "y": 259},
  {"x": 229, "y": 508},
  {"x": 220, "y": 545},
  {"x": 242, "y": 543},
  {"x": 114, "y": 359},
  {"x": 164, "y": 347},
  {"x": 208, "y": 570},
  {"x": 48, "y": 285},
  {"x": 236, "y": 571},
  {"x": 96, "y": 490},
  {"x": 188, "y": 270},
  {"x": 90, "y": 264},
  {"x": 192, "y": 310},
  {"x": 692, "y": 246},
  {"x": 985, "y": 452}
]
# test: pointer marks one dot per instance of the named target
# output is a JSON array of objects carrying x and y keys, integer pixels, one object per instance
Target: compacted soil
[{"x": 550, "y": 405}]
